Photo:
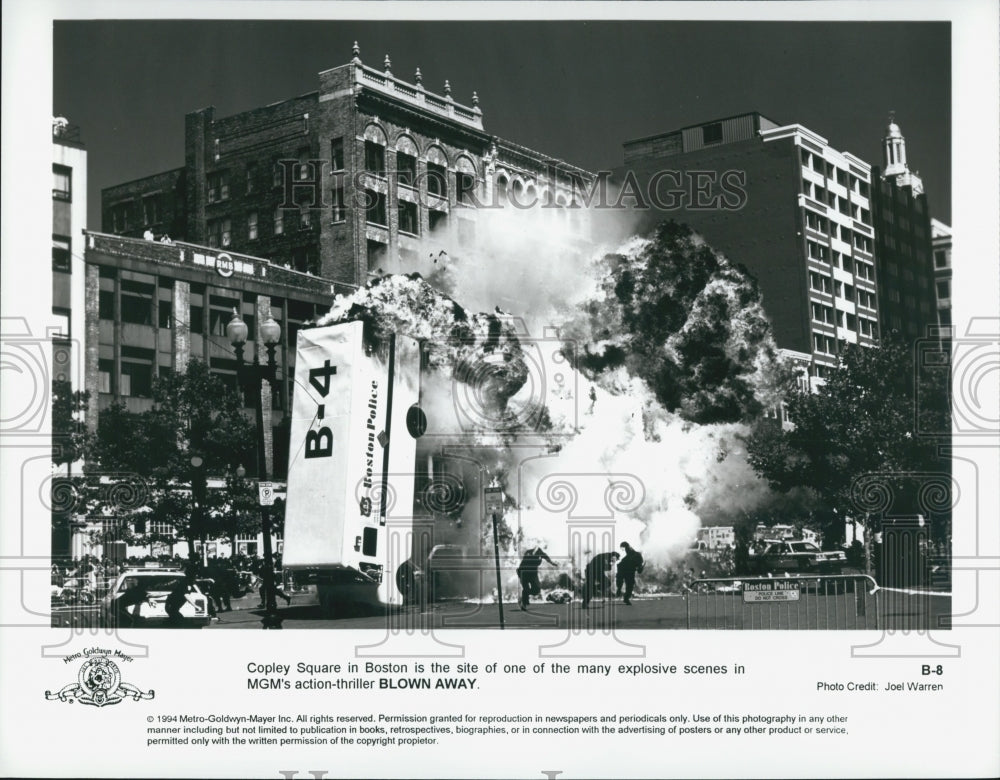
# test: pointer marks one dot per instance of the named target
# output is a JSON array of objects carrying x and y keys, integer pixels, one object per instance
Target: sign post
[
  {"x": 494, "y": 507},
  {"x": 265, "y": 493}
]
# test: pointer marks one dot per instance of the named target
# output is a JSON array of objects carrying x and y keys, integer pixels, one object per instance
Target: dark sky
[{"x": 573, "y": 90}]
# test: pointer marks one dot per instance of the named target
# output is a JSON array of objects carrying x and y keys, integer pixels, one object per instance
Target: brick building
[
  {"x": 352, "y": 179},
  {"x": 781, "y": 201},
  {"x": 903, "y": 257}
]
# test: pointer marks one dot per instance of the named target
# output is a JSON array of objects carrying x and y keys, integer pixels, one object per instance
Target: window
[
  {"x": 437, "y": 220},
  {"x": 165, "y": 317},
  {"x": 337, "y": 154},
  {"x": 819, "y": 194},
  {"x": 304, "y": 168},
  {"x": 408, "y": 218},
  {"x": 816, "y": 251},
  {"x": 819, "y": 282},
  {"x": 339, "y": 208},
  {"x": 62, "y": 182},
  {"x": 841, "y": 177},
  {"x": 137, "y": 302},
  {"x": 806, "y": 157},
  {"x": 197, "y": 319},
  {"x": 106, "y": 305},
  {"x": 218, "y": 186},
  {"x": 277, "y": 173},
  {"x": 61, "y": 253},
  {"x": 220, "y": 232},
  {"x": 120, "y": 218},
  {"x": 943, "y": 290},
  {"x": 376, "y": 213},
  {"x": 437, "y": 184},
  {"x": 376, "y": 256},
  {"x": 824, "y": 344},
  {"x": 221, "y": 312},
  {"x": 62, "y": 317},
  {"x": 137, "y": 372},
  {"x": 465, "y": 187},
  {"x": 305, "y": 218},
  {"x": 304, "y": 260},
  {"x": 822, "y": 313},
  {"x": 711, "y": 134},
  {"x": 894, "y": 296},
  {"x": 374, "y": 158},
  {"x": 279, "y": 222},
  {"x": 940, "y": 258},
  {"x": 251, "y": 177},
  {"x": 105, "y": 370},
  {"x": 162, "y": 528},
  {"x": 252, "y": 225},
  {"x": 406, "y": 169},
  {"x": 848, "y": 292},
  {"x": 151, "y": 210},
  {"x": 815, "y": 222}
]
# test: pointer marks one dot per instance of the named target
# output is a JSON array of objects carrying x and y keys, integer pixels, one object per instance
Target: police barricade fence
[{"x": 818, "y": 601}]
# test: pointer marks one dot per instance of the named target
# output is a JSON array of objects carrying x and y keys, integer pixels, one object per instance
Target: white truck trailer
[{"x": 349, "y": 513}]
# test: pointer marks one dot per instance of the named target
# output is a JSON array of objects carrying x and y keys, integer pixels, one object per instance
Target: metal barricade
[{"x": 817, "y": 602}]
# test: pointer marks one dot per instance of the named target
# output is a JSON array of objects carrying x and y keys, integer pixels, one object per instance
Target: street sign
[
  {"x": 775, "y": 590},
  {"x": 265, "y": 493},
  {"x": 494, "y": 501}
]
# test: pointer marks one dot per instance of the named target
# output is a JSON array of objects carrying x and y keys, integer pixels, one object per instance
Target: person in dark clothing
[
  {"x": 629, "y": 566},
  {"x": 176, "y": 599},
  {"x": 596, "y": 577},
  {"x": 128, "y": 603},
  {"x": 527, "y": 573}
]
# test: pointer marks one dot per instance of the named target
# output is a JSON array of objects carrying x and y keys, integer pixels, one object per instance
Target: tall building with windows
[
  {"x": 780, "y": 200},
  {"x": 941, "y": 242},
  {"x": 354, "y": 178},
  {"x": 69, "y": 217},
  {"x": 151, "y": 307},
  {"x": 904, "y": 267}
]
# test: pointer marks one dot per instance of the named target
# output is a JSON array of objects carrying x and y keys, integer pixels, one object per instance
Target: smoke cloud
[{"x": 635, "y": 364}]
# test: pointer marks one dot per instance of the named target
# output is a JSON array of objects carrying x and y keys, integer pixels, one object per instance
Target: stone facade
[{"x": 369, "y": 174}]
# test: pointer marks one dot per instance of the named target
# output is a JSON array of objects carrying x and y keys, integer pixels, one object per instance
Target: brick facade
[{"x": 311, "y": 213}]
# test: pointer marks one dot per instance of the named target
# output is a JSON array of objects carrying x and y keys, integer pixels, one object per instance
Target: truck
[{"x": 355, "y": 421}]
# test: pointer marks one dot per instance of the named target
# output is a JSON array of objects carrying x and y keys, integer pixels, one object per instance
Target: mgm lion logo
[{"x": 99, "y": 682}]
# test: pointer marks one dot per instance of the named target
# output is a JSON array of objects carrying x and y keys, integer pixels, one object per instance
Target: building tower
[
  {"x": 906, "y": 288},
  {"x": 894, "y": 158}
]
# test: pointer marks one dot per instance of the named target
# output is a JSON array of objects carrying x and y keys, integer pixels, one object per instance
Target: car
[
  {"x": 792, "y": 556},
  {"x": 151, "y": 609}
]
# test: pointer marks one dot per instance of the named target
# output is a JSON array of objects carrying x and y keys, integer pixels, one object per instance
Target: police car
[{"x": 139, "y": 598}]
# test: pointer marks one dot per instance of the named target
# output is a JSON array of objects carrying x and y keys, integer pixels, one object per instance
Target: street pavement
[{"x": 895, "y": 611}]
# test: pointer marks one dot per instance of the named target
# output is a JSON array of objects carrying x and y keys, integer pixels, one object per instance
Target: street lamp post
[
  {"x": 198, "y": 501},
  {"x": 253, "y": 375}
]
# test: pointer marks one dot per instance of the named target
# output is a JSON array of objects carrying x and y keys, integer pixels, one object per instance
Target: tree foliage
[
  {"x": 139, "y": 464},
  {"x": 863, "y": 421}
]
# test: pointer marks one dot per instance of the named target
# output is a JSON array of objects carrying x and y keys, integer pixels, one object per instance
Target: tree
[
  {"x": 862, "y": 422},
  {"x": 196, "y": 428},
  {"x": 69, "y": 432}
]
